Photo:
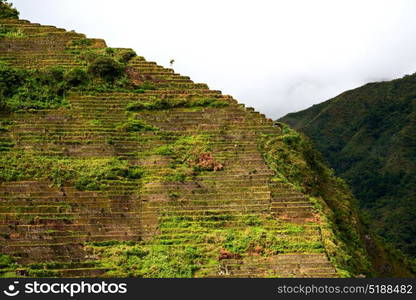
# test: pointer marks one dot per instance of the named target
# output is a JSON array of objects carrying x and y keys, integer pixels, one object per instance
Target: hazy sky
[{"x": 278, "y": 56}]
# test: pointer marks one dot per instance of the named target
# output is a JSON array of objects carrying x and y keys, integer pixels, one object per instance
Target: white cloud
[{"x": 277, "y": 56}]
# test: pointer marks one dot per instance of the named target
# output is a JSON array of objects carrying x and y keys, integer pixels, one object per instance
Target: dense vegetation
[
  {"x": 84, "y": 174},
  {"x": 10, "y": 32},
  {"x": 7, "y": 10},
  {"x": 368, "y": 135},
  {"x": 24, "y": 89}
]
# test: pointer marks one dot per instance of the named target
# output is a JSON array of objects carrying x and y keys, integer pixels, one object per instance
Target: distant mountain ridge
[{"x": 368, "y": 135}]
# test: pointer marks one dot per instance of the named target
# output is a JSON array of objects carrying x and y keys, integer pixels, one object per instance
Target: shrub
[
  {"x": 164, "y": 150},
  {"x": 218, "y": 104},
  {"x": 124, "y": 56},
  {"x": 89, "y": 55},
  {"x": 114, "y": 170},
  {"x": 109, "y": 51},
  {"x": 10, "y": 80},
  {"x": 7, "y": 11},
  {"x": 106, "y": 68},
  {"x": 252, "y": 220},
  {"x": 10, "y": 32},
  {"x": 148, "y": 86},
  {"x": 135, "y": 126},
  {"x": 54, "y": 75},
  {"x": 135, "y": 173},
  {"x": 176, "y": 176},
  {"x": 87, "y": 184},
  {"x": 136, "y": 106},
  {"x": 82, "y": 43},
  {"x": 5, "y": 261},
  {"x": 28, "y": 89},
  {"x": 76, "y": 77}
]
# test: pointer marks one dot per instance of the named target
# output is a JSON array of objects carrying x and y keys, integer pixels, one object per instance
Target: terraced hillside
[{"x": 163, "y": 178}]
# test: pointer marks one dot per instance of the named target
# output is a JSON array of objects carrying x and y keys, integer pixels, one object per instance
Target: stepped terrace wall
[{"x": 135, "y": 183}]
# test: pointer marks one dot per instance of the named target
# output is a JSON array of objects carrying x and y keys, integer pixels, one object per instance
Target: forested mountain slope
[{"x": 368, "y": 135}]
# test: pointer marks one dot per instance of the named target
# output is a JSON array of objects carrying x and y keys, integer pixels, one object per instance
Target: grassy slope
[{"x": 368, "y": 136}]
